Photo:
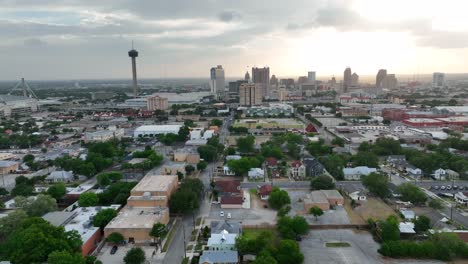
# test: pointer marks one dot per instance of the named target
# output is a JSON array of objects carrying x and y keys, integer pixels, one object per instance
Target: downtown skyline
[{"x": 87, "y": 40}]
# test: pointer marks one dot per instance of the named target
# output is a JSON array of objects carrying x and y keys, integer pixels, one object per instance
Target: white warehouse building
[{"x": 152, "y": 130}]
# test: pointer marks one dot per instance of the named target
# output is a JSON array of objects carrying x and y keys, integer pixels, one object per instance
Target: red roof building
[
  {"x": 228, "y": 186},
  {"x": 310, "y": 129},
  {"x": 265, "y": 189},
  {"x": 296, "y": 164},
  {"x": 271, "y": 162}
]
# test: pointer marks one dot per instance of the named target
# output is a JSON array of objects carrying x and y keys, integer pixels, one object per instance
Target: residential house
[
  {"x": 230, "y": 194},
  {"x": 256, "y": 173},
  {"x": 395, "y": 159},
  {"x": 413, "y": 171},
  {"x": 219, "y": 257},
  {"x": 297, "y": 169},
  {"x": 7, "y": 166},
  {"x": 440, "y": 174},
  {"x": 232, "y": 227},
  {"x": 408, "y": 214},
  {"x": 310, "y": 129},
  {"x": 271, "y": 163},
  {"x": 60, "y": 176},
  {"x": 312, "y": 166},
  {"x": 264, "y": 191},
  {"x": 357, "y": 172},
  {"x": 227, "y": 171},
  {"x": 222, "y": 241}
]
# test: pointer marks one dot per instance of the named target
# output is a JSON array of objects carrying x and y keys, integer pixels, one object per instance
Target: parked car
[
  {"x": 221, "y": 214},
  {"x": 229, "y": 215},
  {"x": 436, "y": 187},
  {"x": 449, "y": 187},
  {"x": 455, "y": 187},
  {"x": 113, "y": 250},
  {"x": 442, "y": 187}
]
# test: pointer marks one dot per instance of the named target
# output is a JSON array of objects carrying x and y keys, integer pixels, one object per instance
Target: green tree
[
  {"x": 28, "y": 158},
  {"x": 216, "y": 122},
  {"x": 208, "y": 153},
  {"x": 377, "y": 184},
  {"x": 39, "y": 239},
  {"x": 368, "y": 159},
  {"x": 412, "y": 193},
  {"x": 291, "y": 227},
  {"x": 316, "y": 211},
  {"x": 389, "y": 230},
  {"x": 10, "y": 223},
  {"x": 278, "y": 198},
  {"x": 189, "y": 169},
  {"x": 288, "y": 252},
  {"x": 422, "y": 223},
  {"x": 338, "y": 141},
  {"x": 322, "y": 182},
  {"x": 435, "y": 204},
  {"x": 246, "y": 144},
  {"x": 103, "y": 179},
  {"x": 37, "y": 206},
  {"x": 65, "y": 257},
  {"x": 135, "y": 256},
  {"x": 115, "y": 238},
  {"x": 265, "y": 259},
  {"x": 103, "y": 217},
  {"x": 202, "y": 165},
  {"x": 57, "y": 190},
  {"x": 159, "y": 231},
  {"x": 22, "y": 189},
  {"x": 88, "y": 199},
  {"x": 3, "y": 191},
  {"x": 242, "y": 166}
]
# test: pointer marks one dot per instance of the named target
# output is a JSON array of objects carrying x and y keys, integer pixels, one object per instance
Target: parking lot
[
  {"x": 444, "y": 186},
  {"x": 252, "y": 216},
  {"x": 119, "y": 255},
  {"x": 363, "y": 249}
]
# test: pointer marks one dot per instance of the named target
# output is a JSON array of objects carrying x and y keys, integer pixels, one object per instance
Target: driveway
[{"x": 252, "y": 216}]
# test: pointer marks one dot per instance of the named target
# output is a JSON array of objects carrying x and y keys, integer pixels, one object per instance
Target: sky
[{"x": 89, "y": 39}]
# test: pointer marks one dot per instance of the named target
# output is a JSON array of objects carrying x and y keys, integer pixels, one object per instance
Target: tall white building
[
  {"x": 217, "y": 81},
  {"x": 438, "y": 79}
]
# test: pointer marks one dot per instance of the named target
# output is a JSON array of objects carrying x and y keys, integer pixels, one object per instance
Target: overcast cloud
[{"x": 61, "y": 39}]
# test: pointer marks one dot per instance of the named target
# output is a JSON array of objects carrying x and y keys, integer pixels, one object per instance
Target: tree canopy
[
  {"x": 322, "y": 182},
  {"x": 57, "y": 190},
  {"x": 377, "y": 184},
  {"x": 103, "y": 217},
  {"x": 411, "y": 193},
  {"x": 37, "y": 206},
  {"x": 246, "y": 144},
  {"x": 291, "y": 227},
  {"x": 88, "y": 199},
  {"x": 278, "y": 198},
  {"x": 135, "y": 256}
]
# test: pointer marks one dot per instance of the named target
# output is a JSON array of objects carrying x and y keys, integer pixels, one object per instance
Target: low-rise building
[
  {"x": 153, "y": 130},
  {"x": 104, "y": 135},
  {"x": 264, "y": 191},
  {"x": 60, "y": 176},
  {"x": 323, "y": 199},
  {"x": 219, "y": 257},
  {"x": 188, "y": 155},
  {"x": 222, "y": 241},
  {"x": 173, "y": 168},
  {"x": 80, "y": 220},
  {"x": 232, "y": 227},
  {"x": 357, "y": 172},
  {"x": 7, "y": 166},
  {"x": 312, "y": 166},
  {"x": 256, "y": 173},
  {"x": 297, "y": 169}
]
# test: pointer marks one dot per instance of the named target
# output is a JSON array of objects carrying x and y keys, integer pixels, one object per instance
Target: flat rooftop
[
  {"x": 155, "y": 183},
  {"x": 138, "y": 217},
  {"x": 315, "y": 197}
]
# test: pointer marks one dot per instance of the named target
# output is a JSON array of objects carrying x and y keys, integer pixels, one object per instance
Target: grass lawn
[
  {"x": 254, "y": 233},
  {"x": 374, "y": 208},
  {"x": 169, "y": 239},
  {"x": 337, "y": 244}
]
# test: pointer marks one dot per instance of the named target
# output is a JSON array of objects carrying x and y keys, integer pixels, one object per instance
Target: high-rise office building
[
  {"x": 250, "y": 94},
  {"x": 390, "y": 82},
  {"x": 302, "y": 79},
  {"x": 311, "y": 78},
  {"x": 355, "y": 79},
  {"x": 438, "y": 80},
  {"x": 234, "y": 86},
  {"x": 273, "y": 80},
  {"x": 379, "y": 78},
  {"x": 247, "y": 76},
  {"x": 346, "y": 80},
  {"x": 156, "y": 103},
  {"x": 217, "y": 81},
  {"x": 262, "y": 76}
]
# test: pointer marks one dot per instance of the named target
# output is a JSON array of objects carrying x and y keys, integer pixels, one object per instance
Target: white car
[
  {"x": 229, "y": 215},
  {"x": 221, "y": 214}
]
